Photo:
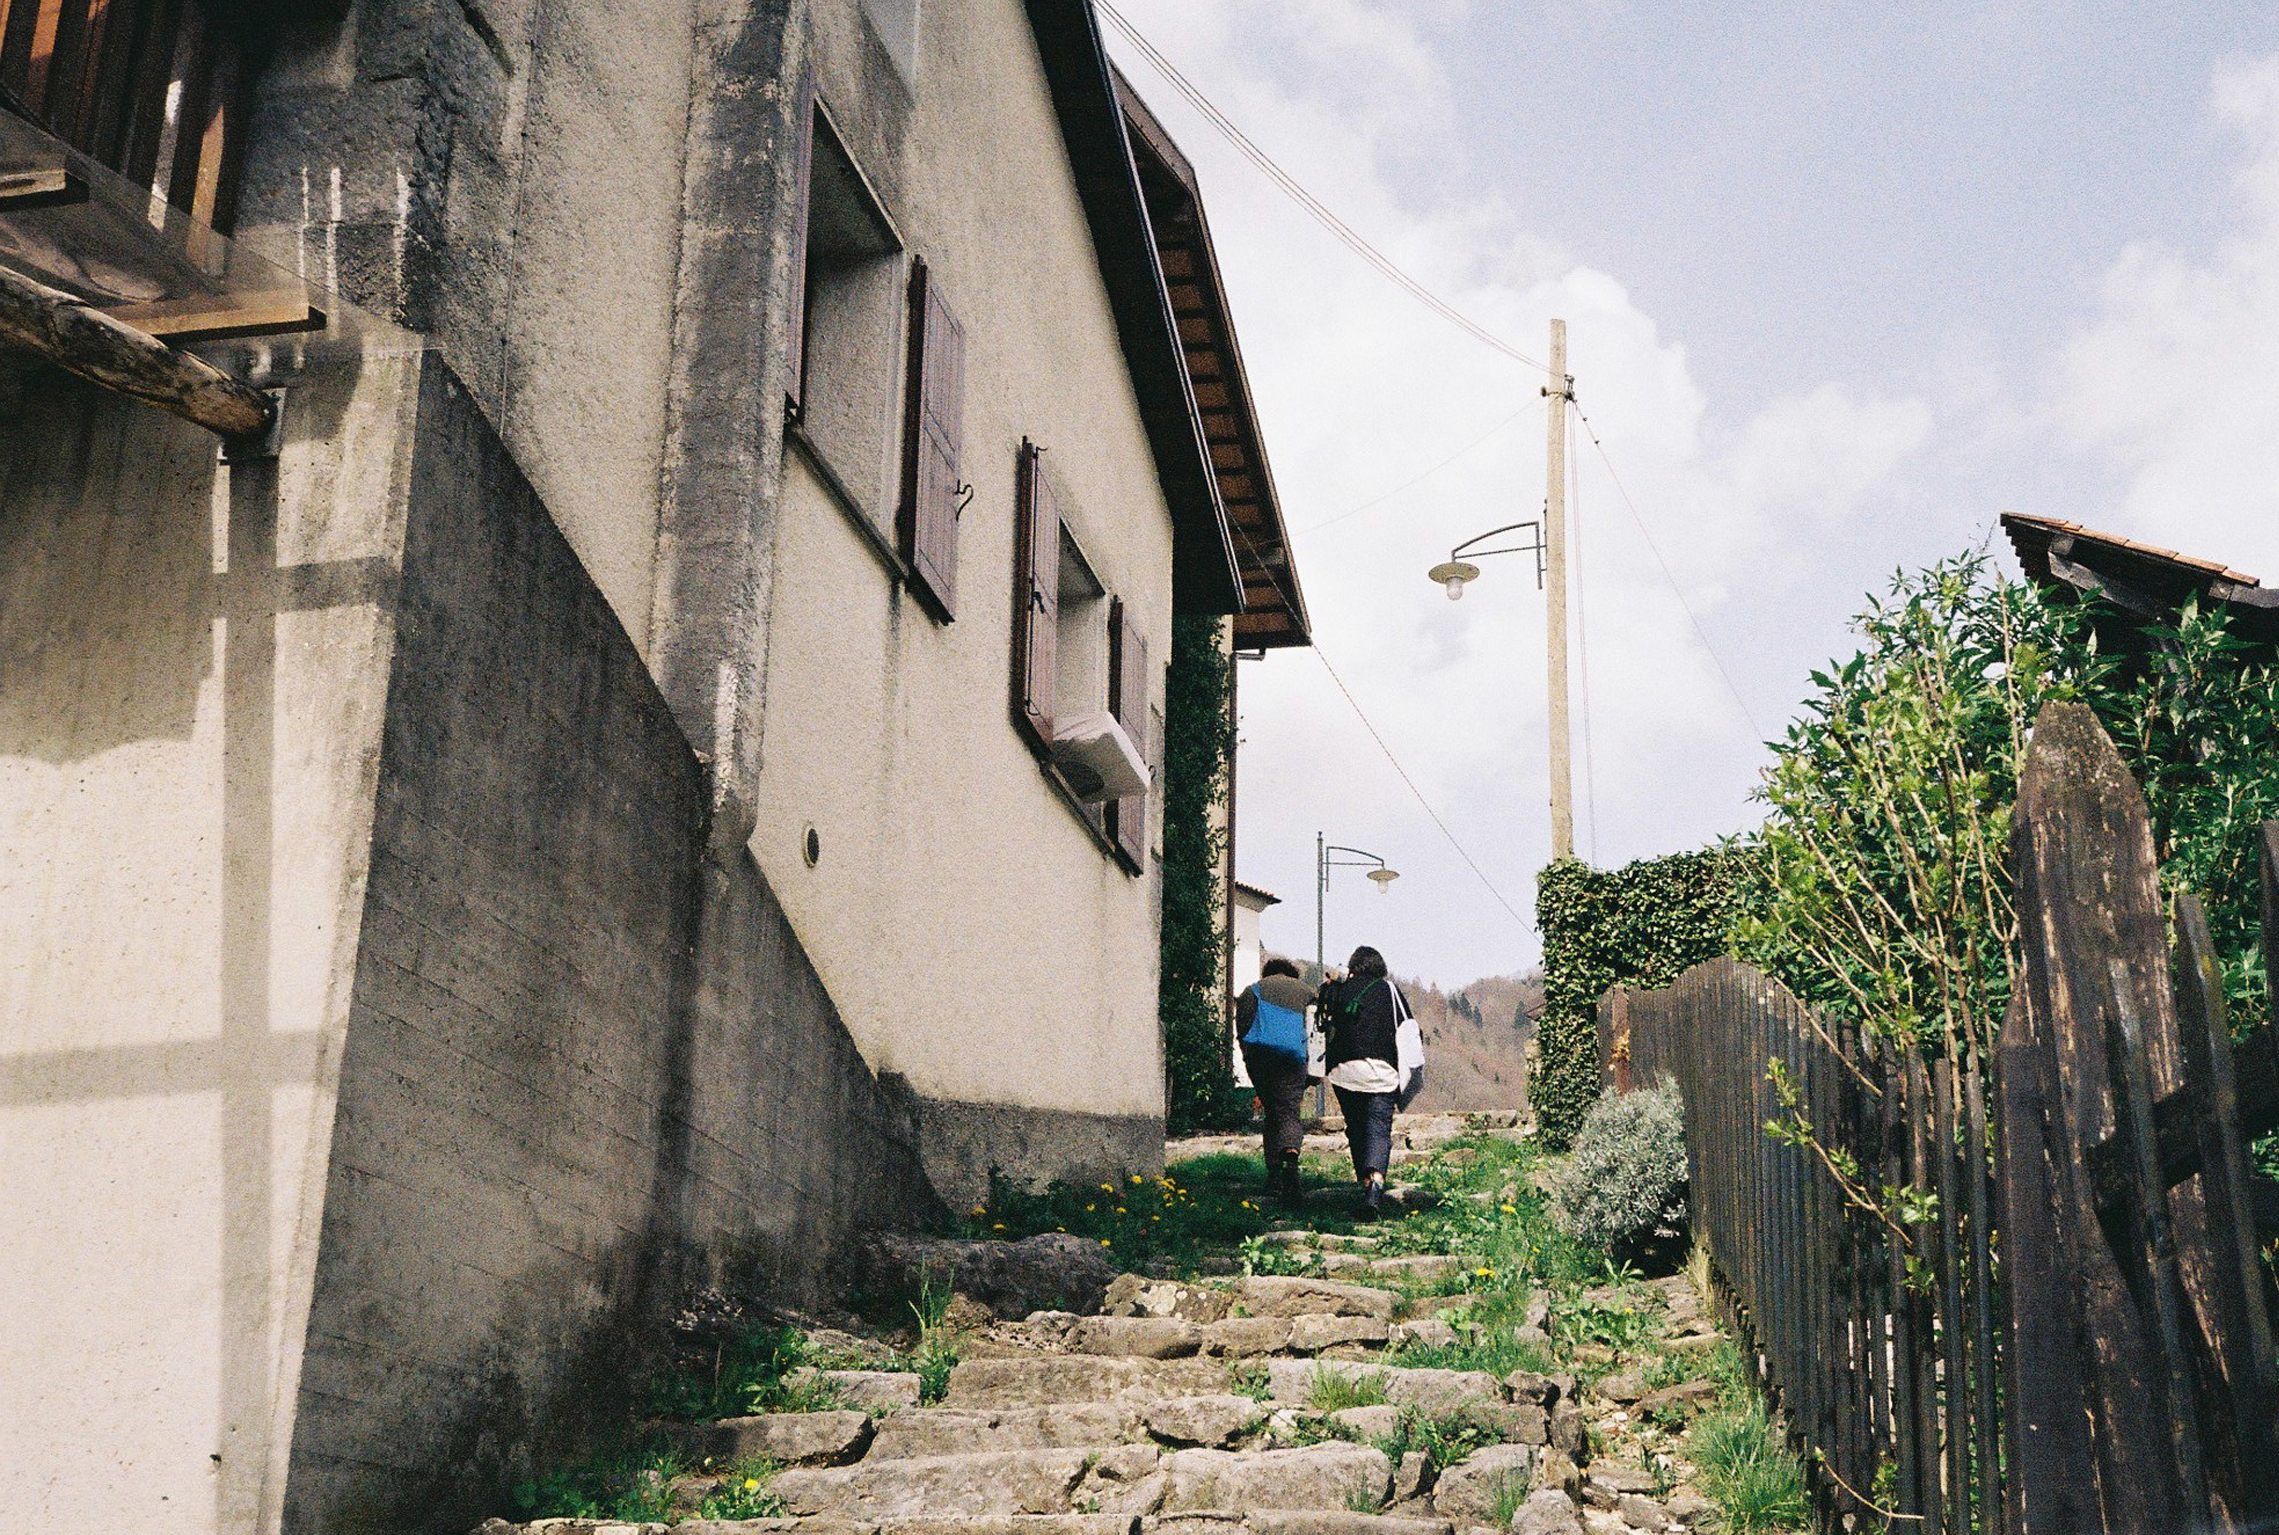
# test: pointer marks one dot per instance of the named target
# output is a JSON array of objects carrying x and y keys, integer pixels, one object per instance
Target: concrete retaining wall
[{"x": 379, "y": 1050}]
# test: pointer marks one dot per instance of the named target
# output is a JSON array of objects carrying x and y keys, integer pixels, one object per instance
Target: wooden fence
[{"x": 2073, "y": 1334}]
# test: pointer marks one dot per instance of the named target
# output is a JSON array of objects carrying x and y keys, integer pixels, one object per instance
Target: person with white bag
[{"x": 1373, "y": 1067}]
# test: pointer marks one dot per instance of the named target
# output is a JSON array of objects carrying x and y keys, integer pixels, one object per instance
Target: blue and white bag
[{"x": 1278, "y": 1028}]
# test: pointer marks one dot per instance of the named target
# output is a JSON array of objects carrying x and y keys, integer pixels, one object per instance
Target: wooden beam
[
  {"x": 84, "y": 341},
  {"x": 179, "y": 320},
  {"x": 45, "y": 188}
]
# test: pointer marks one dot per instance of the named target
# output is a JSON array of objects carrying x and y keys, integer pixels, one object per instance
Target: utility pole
[{"x": 1558, "y": 393}]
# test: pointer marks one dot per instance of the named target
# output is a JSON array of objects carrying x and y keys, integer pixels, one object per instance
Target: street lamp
[
  {"x": 1326, "y": 859},
  {"x": 1456, "y": 570}
]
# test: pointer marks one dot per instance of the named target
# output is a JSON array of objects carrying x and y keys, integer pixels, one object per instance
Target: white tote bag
[{"x": 1408, "y": 1036}]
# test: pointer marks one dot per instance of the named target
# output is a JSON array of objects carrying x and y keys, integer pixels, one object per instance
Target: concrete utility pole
[{"x": 1558, "y": 393}]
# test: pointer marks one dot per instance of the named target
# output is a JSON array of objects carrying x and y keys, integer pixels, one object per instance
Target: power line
[
  {"x": 1582, "y": 637},
  {"x": 1361, "y": 714},
  {"x": 1675, "y": 590},
  {"x": 1420, "y": 478},
  {"x": 1313, "y": 205}
]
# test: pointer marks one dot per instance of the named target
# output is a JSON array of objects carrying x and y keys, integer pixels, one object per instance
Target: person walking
[
  {"x": 1364, "y": 1014},
  {"x": 1270, "y": 1020}
]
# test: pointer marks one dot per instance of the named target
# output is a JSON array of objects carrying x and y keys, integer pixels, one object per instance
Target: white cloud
[
  {"x": 2172, "y": 384},
  {"x": 1360, "y": 387}
]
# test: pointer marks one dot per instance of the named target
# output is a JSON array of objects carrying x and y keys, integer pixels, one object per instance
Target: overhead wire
[
  {"x": 1420, "y": 478},
  {"x": 1667, "y": 575},
  {"x": 1582, "y": 638},
  {"x": 1290, "y": 186},
  {"x": 1313, "y": 205},
  {"x": 1378, "y": 736}
]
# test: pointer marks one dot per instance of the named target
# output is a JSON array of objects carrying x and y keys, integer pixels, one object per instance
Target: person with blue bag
[{"x": 1270, "y": 1020}]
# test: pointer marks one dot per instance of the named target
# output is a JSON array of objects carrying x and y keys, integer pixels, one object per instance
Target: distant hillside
[{"x": 1475, "y": 1039}]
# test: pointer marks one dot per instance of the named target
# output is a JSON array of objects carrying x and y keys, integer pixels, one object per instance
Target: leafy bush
[
  {"x": 1639, "y": 925},
  {"x": 1625, "y": 1186},
  {"x": 1198, "y": 750}
]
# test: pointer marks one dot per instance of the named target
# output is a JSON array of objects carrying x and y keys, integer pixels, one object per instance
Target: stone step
[
  {"x": 1292, "y": 1295},
  {"x": 1332, "y": 1476},
  {"x": 1291, "y": 1382},
  {"x": 1052, "y": 1379},
  {"x": 1262, "y": 1521},
  {"x": 992, "y": 1483},
  {"x": 920, "y": 1433}
]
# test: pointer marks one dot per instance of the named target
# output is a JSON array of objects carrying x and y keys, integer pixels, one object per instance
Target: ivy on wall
[
  {"x": 1639, "y": 925},
  {"x": 1198, "y": 753}
]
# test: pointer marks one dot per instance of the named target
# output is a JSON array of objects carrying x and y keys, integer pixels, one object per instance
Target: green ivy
[
  {"x": 1198, "y": 753},
  {"x": 1635, "y": 926}
]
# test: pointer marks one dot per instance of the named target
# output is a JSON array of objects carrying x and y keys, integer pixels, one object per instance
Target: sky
[{"x": 1842, "y": 283}]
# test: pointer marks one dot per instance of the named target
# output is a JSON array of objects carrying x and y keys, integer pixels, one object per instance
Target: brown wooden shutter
[
  {"x": 931, "y": 488},
  {"x": 795, "y": 293},
  {"x": 1127, "y": 701},
  {"x": 1036, "y": 600}
]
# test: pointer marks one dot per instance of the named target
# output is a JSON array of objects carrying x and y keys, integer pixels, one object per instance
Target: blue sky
[{"x": 1843, "y": 283}]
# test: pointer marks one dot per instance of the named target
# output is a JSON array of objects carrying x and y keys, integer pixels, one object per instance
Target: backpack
[{"x": 1278, "y": 1028}]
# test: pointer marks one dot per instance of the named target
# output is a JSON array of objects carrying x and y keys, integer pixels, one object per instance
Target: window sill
[
  {"x": 1088, "y": 816},
  {"x": 850, "y": 506}
]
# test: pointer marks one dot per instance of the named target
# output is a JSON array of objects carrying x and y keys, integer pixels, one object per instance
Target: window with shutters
[
  {"x": 1078, "y": 656},
  {"x": 845, "y": 357}
]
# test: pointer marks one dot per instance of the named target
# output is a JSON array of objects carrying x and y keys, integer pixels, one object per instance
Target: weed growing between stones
[
  {"x": 937, "y": 1351},
  {"x": 747, "y": 1373},
  {"x": 746, "y": 1491},
  {"x": 633, "y": 1485},
  {"x": 1511, "y": 1491},
  {"x": 1335, "y": 1390},
  {"x": 1746, "y": 1470}
]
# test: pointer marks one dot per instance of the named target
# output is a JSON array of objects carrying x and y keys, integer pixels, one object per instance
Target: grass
[
  {"x": 1757, "y": 1485},
  {"x": 1512, "y": 1489},
  {"x": 633, "y": 1485},
  {"x": 1335, "y": 1390}
]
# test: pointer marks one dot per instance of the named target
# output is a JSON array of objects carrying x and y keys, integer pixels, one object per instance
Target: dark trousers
[
  {"x": 1280, "y": 1081},
  {"x": 1368, "y": 1129}
]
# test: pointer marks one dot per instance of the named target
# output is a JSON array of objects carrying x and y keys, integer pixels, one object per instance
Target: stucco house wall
[{"x": 1026, "y": 1025}]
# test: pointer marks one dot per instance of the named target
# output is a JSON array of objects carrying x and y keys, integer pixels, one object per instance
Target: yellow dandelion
[
  {"x": 1000, "y": 1226},
  {"x": 751, "y": 1484},
  {"x": 1107, "y": 1188},
  {"x": 1483, "y": 1272},
  {"x": 1510, "y": 1209},
  {"x": 1120, "y": 1210},
  {"x": 1104, "y": 1242},
  {"x": 981, "y": 1209},
  {"x": 1088, "y": 1209}
]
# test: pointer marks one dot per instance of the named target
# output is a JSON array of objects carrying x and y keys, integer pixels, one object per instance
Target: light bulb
[{"x": 1455, "y": 588}]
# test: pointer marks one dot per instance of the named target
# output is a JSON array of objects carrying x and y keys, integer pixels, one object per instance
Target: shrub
[
  {"x": 1639, "y": 925},
  {"x": 1625, "y": 1186}
]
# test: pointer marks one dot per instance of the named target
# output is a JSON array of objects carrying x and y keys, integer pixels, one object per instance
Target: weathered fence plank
[{"x": 2077, "y": 1334}]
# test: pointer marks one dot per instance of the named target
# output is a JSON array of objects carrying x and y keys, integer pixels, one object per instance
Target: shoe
[
  {"x": 1372, "y": 1205},
  {"x": 1289, "y": 1187}
]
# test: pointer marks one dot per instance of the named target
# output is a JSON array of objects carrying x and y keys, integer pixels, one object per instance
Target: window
[
  {"x": 1080, "y": 670},
  {"x": 849, "y": 303}
]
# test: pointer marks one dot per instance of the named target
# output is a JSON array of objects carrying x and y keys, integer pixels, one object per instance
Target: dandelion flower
[
  {"x": 751, "y": 1484},
  {"x": 1511, "y": 1209},
  {"x": 981, "y": 1209},
  {"x": 1104, "y": 1242},
  {"x": 1137, "y": 1179},
  {"x": 1000, "y": 1226}
]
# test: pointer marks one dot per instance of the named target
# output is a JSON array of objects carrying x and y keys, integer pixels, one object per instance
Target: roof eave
[{"x": 1205, "y": 577}]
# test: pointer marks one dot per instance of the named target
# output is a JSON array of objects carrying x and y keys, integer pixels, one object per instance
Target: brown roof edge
[
  {"x": 1214, "y": 357},
  {"x": 2141, "y": 578}
]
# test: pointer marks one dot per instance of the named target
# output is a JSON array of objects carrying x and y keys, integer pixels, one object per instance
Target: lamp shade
[{"x": 1453, "y": 574}]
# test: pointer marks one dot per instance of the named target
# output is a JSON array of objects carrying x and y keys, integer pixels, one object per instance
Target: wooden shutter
[
  {"x": 802, "y": 202},
  {"x": 1036, "y": 600},
  {"x": 1127, "y": 701},
  {"x": 931, "y": 487}
]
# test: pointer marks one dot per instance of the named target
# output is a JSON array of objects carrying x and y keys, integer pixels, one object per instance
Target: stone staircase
[{"x": 1180, "y": 1409}]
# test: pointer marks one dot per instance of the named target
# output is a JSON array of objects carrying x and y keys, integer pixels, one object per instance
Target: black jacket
[{"x": 1361, "y": 1019}]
